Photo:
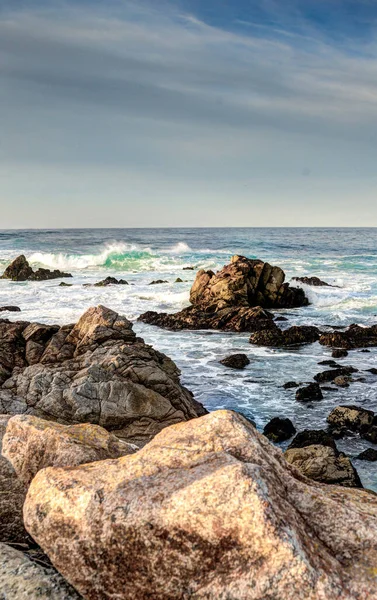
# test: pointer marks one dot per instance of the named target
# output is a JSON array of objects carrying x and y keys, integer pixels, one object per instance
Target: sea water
[{"x": 345, "y": 258}]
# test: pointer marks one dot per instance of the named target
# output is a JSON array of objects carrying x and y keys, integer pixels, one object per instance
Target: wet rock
[
  {"x": 10, "y": 309},
  {"x": 370, "y": 454},
  {"x": 64, "y": 284},
  {"x": 110, "y": 281},
  {"x": 324, "y": 464},
  {"x": 235, "y": 361},
  {"x": 281, "y": 319},
  {"x": 304, "y": 334},
  {"x": 31, "y": 444},
  {"x": 21, "y": 577},
  {"x": 96, "y": 371},
  {"x": 332, "y": 374},
  {"x": 226, "y": 319},
  {"x": 188, "y": 269},
  {"x": 354, "y": 336},
  {"x": 354, "y": 418},
  {"x": 290, "y": 384},
  {"x": 315, "y": 281},
  {"x": 208, "y": 509},
  {"x": 157, "y": 281},
  {"x": 178, "y": 280},
  {"x": 370, "y": 434},
  {"x": 364, "y": 350},
  {"x": 372, "y": 370},
  {"x": 12, "y": 498},
  {"x": 310, "y": 437},
  {"x": 343, "y": 381},
  {"x": 309, "y": 393},
  {"x": 279, "y": 429},
  {"x": 330, "y": 363},
  {"x": 339, "y": 353},
  {"x": 20, "y": 270}
]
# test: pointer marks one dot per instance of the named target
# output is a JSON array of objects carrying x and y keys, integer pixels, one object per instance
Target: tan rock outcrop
[
  {"x": 209, "y": 509},
  {"x": 96, "y": 371},
  {"x": 31, "y": 444}
]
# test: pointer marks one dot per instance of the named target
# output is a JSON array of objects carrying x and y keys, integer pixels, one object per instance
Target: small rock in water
[
  {"x": 343, "y": 381},
  {"x": 308, "y": 393},
  {"x": 235, "y": 361},
  {"x": 339, "y": 353},
  {"x": 308, "y": 437},
  {"x": 281, "y": 319},
  {"x": 111, "y": 281},
  {"x": 290, "y": 384},
  {"x": 373, "y": 370},
  {"x": 188, "y": 269},
  {"x": 10, "y": 309},
  {"x": 158, "y": 281},
  {"x": 315, "y": 281},
  {"x": 64, "y": 284},
  {"x": 364, "y": 350},
  {"x": 279, "y": 429},
  {"x": 370, "y": 455},
  {"x": 330, "y": 375},
  {"x": 330, "y": 363},
  {"x": 178, "y": 280}
]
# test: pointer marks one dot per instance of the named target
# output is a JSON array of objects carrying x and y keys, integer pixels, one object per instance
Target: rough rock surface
[
  {"x": 333, "y": 373},
  {"x": 370, "y": 454},
  {"x": 309, "y": 392},
  {"x": 324, "y": 464},
  {"x": 111, "y": 281},
  {"x": 298, "y": 334},
  {"x": 354, "y": 418},
  {"x": 31, "y": 444},
  {"x": 310, "y": 437},
  {"x": 208, "y": 509},
  {"x": 225, "y": 319},
  {"x": 12, "y": 498},
  {"x": 279, "y": 429},
  {"x": 96, "y": 371},
  {"x": 339, "y": 353},
  {"x": 21, "y": 578},
  {"x": 227, "y": 300},
  {"x": 10, "y": 309},
  {"x": 235, "y": 361},
  {"x": 315, "y": 281},
  {"x": 20, "y": 270},
  {"x": 354, "y": 336}
]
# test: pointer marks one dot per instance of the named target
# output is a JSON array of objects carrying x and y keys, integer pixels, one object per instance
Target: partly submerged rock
[
  {"x": 235, "y": 361},
  {"x": 21, "y": 578},
  {"x": 110, "y": 281},
  {"x": 353, "y": 418},
  {"x": 355, "y": 336},
  {"x": 339, "y": 353},
  {"x": 331, "y": 374},
  {"x": 157, "y": 281},
  {"x": 31, "y": 444},
  {"x": 370, "y": 454},
  {"x": 310, "y": 437},
  {"x": 96, "y": 371},
  {"x": 309, "y": 392},
  {"x": 208, "y": 509},
  {"x": 298, "y": 334},
  {"x": 324, "y": 464},
  {"x": 10, "y": 309},
  {"x": 279, "y": 429},
  {"x": 315, "y": 281},
  {"x": 20, "y": 270}
]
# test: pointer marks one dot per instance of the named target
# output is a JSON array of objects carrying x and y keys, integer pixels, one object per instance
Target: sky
[{"x": 133, "y": 113}]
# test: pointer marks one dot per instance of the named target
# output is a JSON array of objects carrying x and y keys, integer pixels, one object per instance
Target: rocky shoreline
[{"x": 131, "y": 489}]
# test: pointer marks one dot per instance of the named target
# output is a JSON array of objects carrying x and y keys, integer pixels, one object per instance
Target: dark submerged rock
[
  {"x": 315, "y": 281},
  {"x": 10, "y": 309},
  {"x": 303, "y": 334},
  {"x": 370, "y": 455},
  {"x": 279, "y": 429},
  {"x": 157, "y": 281},
  {"x": 332, "y": 374},
  {"x": 308, "y": 437},
  {"x": 309, "y": 393},
  {"x": 111, "y": 281},
  {"x": 339, "y": 353},
  {"x": 354, "y": 336},
  {"x": 290, "y": 384},
  {"x": 235, "y": 361}
]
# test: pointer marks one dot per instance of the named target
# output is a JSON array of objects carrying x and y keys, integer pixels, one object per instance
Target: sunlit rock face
[{"x": 209, "y": 509}]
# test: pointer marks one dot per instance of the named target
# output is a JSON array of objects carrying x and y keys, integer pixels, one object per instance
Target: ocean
[{"x": 345, "y": 258}]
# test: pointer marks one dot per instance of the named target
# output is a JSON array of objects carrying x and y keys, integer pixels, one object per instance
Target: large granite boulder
[
  {"x": 208, "y": 509},
  {"x": 31, "y": 444},
  {"x": 20, "y": 270},
  {"x": 12, "y": 498},
  {"x": 355, "y": 336},
  {"x": 298, "y": 334},
  {"x": 96, "y": 371},
  {"x": 233, "y": 299},
  {"x": 324, "y": 464},
  {"x": 22, "y": 578}
]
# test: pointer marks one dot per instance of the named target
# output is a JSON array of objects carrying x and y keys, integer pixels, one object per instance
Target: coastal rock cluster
[
  {"x": 234, "y": 299},
  {"x": 20, "y": 270}
]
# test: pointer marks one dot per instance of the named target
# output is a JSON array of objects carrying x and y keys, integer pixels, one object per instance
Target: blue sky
[{"x": 188, "y": 113}]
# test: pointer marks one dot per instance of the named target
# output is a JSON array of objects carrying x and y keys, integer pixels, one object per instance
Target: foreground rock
[
  {"x": 20, "y": 270},
  {"x": 235, "y": 361},
  {"x": 31, "y": 444},
  {"x": 208, "y": 509},
  {"x": 303, "y": 334},
  {"x": 354, "y": 336},
  {"x": 95, "y": 371},
  {"x": 12, "y": 498},
  {"x": 233, "y": 299},
  {"x": 314, "y": 281},
  {"x": 20, "y": 578},
  {"x": 324, "y": 464},
  {"x": 279, "y": 429}
]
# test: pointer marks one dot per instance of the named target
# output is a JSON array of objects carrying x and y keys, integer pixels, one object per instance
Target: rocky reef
[
  {"x": 96, "y": 371},
  {"x": 20, "y": 270},
  {"x": 234, "y": 299}
]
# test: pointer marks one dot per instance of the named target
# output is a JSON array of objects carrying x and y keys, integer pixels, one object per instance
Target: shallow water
[{"x": 346, "y": 258}]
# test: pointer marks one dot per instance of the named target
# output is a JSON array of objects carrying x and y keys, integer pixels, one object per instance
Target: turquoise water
[{"x": 346, "y": 258}]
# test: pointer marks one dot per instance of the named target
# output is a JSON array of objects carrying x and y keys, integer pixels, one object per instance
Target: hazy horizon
[{"x": 195, "y": 114}]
